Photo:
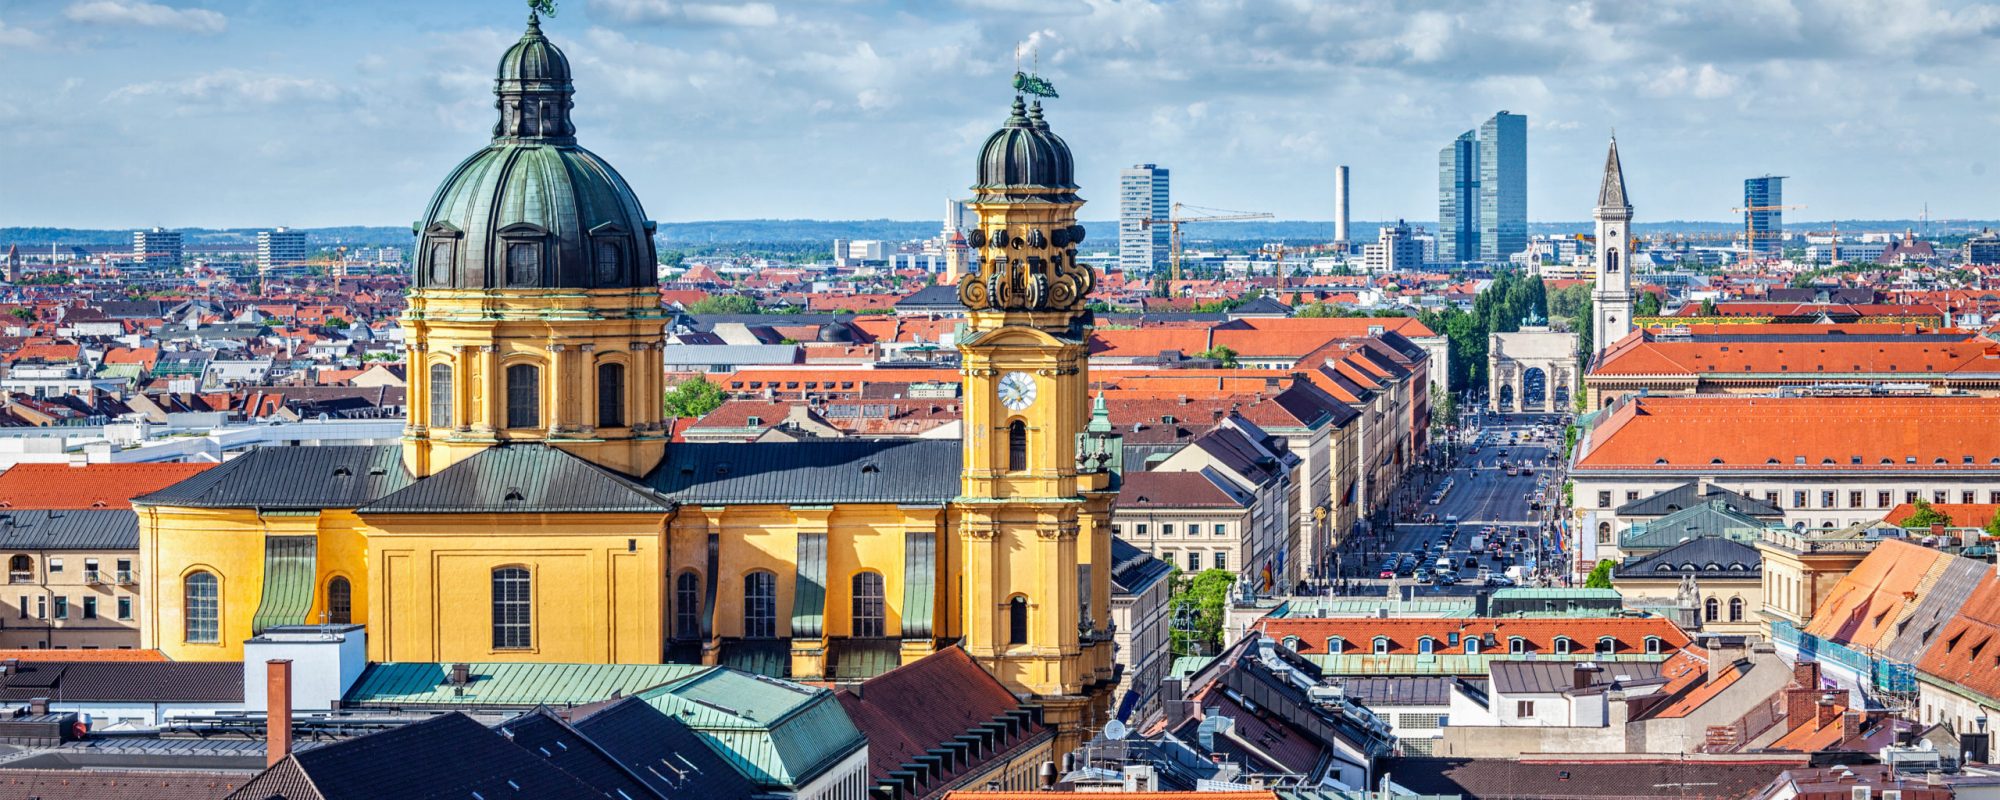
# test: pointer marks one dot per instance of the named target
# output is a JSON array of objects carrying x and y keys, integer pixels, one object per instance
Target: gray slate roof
[
  {"x": 93, "y": 529},
  {"x": 1711, "y": 519},
  {"x": 125, "y": 681},
  {"x": 663, "y": 751},
  {"x": 919, "y": 471},
  {"x": 1952, "y": 587},
  {"x": 1556, "y": 677},
  {"x": 1689, "y": 495},
  {"x": 1399, "y": 691},
  {"x": 1134, "y": 570},
  {"x": 1728, "y": 556},
  {"x": 521, "y": 478},
  {"x": 292, "y": 478}
]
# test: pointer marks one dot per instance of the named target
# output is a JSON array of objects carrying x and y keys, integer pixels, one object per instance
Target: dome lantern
[{"x": 533, "y": 210}]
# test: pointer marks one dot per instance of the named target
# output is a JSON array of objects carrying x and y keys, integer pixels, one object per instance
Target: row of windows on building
[
  {"x": 1169, "y": 529},
  {"x": 201, "y": 606},
  {"x": 1830, "y": 498},
  {"x": 1473, "y": 645},
  {"x": 58, "y": 607},
  {"x": 524, "y": 261},
  {"x": 21, "y": 569},
  {"x": 524, "y": 396},
  {"x": 513, "y": 607},
  {"x": 1219, "y": 558}
]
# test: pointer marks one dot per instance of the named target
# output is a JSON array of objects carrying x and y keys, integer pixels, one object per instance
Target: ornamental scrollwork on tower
[{"x": 1034, "y": 269}]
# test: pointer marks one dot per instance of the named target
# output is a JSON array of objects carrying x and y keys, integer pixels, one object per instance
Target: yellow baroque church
[{"x": 535, "y": 510}]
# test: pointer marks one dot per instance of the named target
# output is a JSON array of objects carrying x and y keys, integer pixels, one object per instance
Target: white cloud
[
  {"x": 146, "y": 15},
  {"x": 232, "y": 87},
  {"x": 740, "y": 15},
  {"x": 744, "y": 15},
  {"x": 18, "y": 37},
  {"x": 1706, "y": 83},
  {"x": 636, "y": 10}
]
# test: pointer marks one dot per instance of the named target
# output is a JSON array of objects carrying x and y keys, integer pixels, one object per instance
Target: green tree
[
  {"x": 1925, "y": 516},
  {"x": 1708, "y": 308},
  {"x": 1648, "y": 305},
  {"x": 337, "y": 323},
  {"x": 1224, "y": 357},
  {"x": 1600, "y": 576},
  {"x": 24, "y": 314},
  {"x": 1200, "y": 601},
  {"x": 1992, "y": 526},
  {"x": 693, "y": 398},
  {"x": 723, "y": 304}
]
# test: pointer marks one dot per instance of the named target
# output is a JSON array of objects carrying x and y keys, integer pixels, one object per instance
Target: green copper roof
[
  {"x": 781, "y": 734},
  {"x": 510, "y": 684},
  {"x": 534, "y": 210},
  {"x": 290, "y": 573}
]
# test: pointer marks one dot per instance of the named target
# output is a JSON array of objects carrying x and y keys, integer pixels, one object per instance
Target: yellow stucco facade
[{"x": 525, "y": 515}]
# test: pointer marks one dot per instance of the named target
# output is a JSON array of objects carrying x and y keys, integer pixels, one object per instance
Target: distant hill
[{"x": 1103, "y": 233}]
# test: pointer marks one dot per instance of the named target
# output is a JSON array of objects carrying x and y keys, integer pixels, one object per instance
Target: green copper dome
[
  {"x": 1025, "y": 154},
  {"x": 533, "y": 210}
]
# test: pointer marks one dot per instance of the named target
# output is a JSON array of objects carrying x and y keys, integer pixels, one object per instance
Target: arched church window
[
  {"x": 201, "y": 605},
  {"x": 441, "y": 262},
  {"x": 1017, "y": 620},
  {"x": 441, "y": 391},
  {"x": 1611, "y": 260},
  {"x": 513, "y": 609},
  {"x": 1017, "y": 446},
  {"x": 870, "y": 621},
  {"x": 687, "y": 606},
  {"x": 524, "y": 396},
  {"x": 608, "y": 258},
  {"x": 611, "y": 395},
  {"x": 524, "y": 263},
  {"x": 760, "y": 605},
  {"x": 339, "y": 601}
]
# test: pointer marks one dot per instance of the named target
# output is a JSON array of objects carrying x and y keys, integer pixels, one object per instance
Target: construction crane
[
  {"x": 1751, "y": 236},
  {"x": 1276, "y": 250},
  {"x": 1177, "y": 216}
]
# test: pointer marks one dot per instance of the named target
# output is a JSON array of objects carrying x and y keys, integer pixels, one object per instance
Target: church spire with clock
[{"x": 1037, "y": 485}]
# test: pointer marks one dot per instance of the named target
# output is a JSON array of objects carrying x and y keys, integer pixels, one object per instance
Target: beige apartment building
[{"x": 72, "y": 580}]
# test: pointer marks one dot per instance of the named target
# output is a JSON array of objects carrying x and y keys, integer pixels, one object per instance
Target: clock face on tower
[{"x": 1017, "y": 390}]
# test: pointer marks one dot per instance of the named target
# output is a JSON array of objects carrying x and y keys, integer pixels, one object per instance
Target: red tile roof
[
  {"x": 1863, "y": 608},
  {"x": 1964, "y": 515},
  {"x": 902, "y": 718},
  {"x": 61, "y": 486},
  {"x": 1775, "y": 433},
  {"x": 83, "y": 655},
  {"x": 1539, "y": 634},
  {"x": 1967, "y": 652}
]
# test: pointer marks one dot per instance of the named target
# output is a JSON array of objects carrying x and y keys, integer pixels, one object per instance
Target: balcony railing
[
  {"x": 20, "y": 577},
  {"x": 127, "y": 577}
]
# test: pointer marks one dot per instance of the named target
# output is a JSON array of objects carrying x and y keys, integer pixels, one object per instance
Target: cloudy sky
[{"x": 122, "y": 113}]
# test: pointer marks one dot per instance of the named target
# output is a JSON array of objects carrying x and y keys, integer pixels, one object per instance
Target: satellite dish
[{"x": 1115, "y": 730}]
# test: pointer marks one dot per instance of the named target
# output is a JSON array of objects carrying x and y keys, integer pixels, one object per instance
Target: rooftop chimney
[
  {"x": 278, "y": 717},
  {"x": 1829, "y": 709},
  {"x": 461, "y": 674},
  {"x": 1584, "y": 675},
  {"x": 1805, "y": 674}
]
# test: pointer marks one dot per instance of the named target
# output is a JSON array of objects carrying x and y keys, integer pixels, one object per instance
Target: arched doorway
[
  {"x": 1506, "y": 397},
  {"x": 1534, "y": 389}
]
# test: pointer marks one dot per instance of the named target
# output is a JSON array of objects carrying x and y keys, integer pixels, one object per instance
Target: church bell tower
[
  {"x": 1611, "y": 300},
  {"x": 1037, "y": 485}
]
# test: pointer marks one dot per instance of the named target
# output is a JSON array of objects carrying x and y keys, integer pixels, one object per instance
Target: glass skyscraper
[
  {"x": 1763, "y": 217},
  {"x": 1483, "y": 192},
  {"x": 1458, "y": 193},
  {"x": 1142, "y": 195}
]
